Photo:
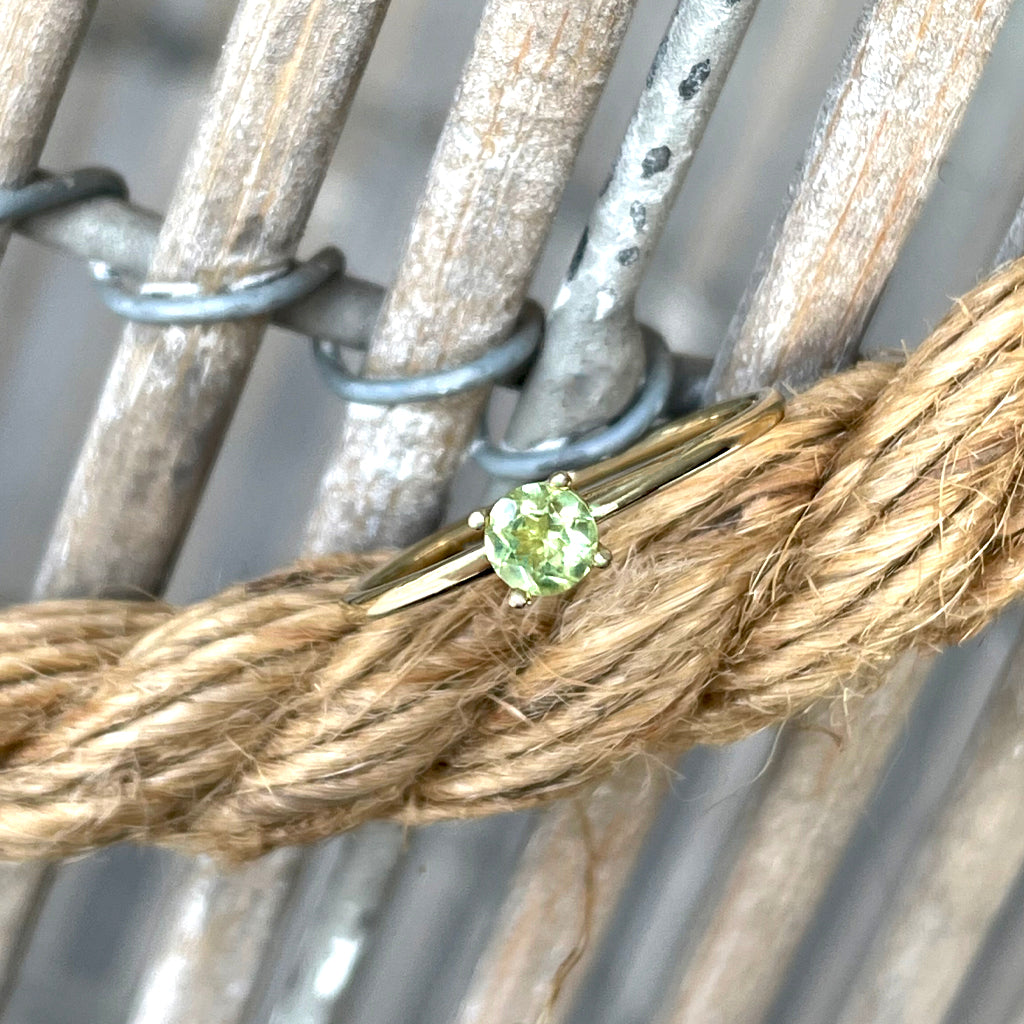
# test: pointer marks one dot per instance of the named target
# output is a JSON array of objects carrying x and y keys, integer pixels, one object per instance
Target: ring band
[{"x": 542, "y": 538}]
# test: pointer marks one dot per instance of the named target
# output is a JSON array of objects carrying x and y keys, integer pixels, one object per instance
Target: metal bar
[
  {"x": 286, "y": 77},
  {"x": 526, "y": 97},
  {"x": 592, "y": 359},
  {"x": 864, "y": 179},
  {"x": 834, "y": 234},
  {"x": 341, "y": 310},
  {"x": 244, "y": 196}
]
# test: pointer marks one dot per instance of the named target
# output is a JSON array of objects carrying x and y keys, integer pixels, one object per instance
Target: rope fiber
[{"x": 885, "y": 512}]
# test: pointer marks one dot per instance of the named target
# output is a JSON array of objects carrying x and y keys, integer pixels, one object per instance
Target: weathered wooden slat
[
  {"x": 959, "y": 876},
  {"x": 848, "y": 146},
  {"x": 344, "y": 922},
  {"x": 881, "y": 133},
  {"x": 790, "y": 333},
  {"x": 816, "y": 790},
  {"x": 777, "y": 883},
  {"x": 283, "y": 85},
  {"x": 213, "y": 941},
  {"x": 577, "y": 862},
  {"x": 560, "y": 902},
  {"x": 279, "y": 99},
  {"x": 516, "y": 128},
  {"x": 22, "y": 889},
  {"x": 526, "y": 97},
  {"x": 39, "y": 40},
  {"x": 320, "y": 941},
  {"x": 994, "y": 991}
]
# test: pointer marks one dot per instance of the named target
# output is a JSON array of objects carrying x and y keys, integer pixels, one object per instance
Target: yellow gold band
[{"x": 670, "y": 453}]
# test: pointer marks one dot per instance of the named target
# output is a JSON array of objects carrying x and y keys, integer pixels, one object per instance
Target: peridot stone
[{"x": 541, "y": 539}]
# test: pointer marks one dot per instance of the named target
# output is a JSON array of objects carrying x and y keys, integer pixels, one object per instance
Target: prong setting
[
  {"x": 602, "y": 557},
  {"x": 560, "y": 478},
  {"x": 477, "y": 519},
  {"x": 541, "y": 539},
  {"x": 517, "y": 599}
]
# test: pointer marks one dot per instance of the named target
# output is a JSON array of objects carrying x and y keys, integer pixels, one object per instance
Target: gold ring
[{"x": 542, "y": 538}]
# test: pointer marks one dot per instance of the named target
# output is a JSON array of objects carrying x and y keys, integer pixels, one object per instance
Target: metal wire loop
[
  {"x": 52, "y": 191},
  {"x": 633, "y": 424},
  {"x": 497, "y": 365},
  {"x": 183, "y": 303}
]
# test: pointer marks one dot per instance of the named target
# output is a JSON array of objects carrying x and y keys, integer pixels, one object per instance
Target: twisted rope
[{"x": 885, "y": 512}]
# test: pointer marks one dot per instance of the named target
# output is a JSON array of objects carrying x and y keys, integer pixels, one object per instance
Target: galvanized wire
[{"x": 86, "y": 213}]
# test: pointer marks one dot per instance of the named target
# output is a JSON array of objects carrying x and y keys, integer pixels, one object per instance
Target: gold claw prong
[
  {"x": 476, "y": 519},
  {"x": 560, "y": 479},
  {"x": 602, "y": 557},
  {"x": 517, "y": 599}
]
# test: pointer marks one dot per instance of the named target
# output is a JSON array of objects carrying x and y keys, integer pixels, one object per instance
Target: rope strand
[{"x": 885, "y": 512}]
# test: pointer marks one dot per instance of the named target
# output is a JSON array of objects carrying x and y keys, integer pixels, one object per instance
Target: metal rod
[
  {"x": 592, "y": 360},
  {"x": 525, "y": 99},
  {"x": 341, "y": 311}
]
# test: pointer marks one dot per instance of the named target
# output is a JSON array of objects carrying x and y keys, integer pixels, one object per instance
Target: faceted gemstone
[{"x": 540, "y": 539}]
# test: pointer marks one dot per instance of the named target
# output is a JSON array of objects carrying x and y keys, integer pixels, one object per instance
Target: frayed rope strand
[{"x": 885, "y": 512}]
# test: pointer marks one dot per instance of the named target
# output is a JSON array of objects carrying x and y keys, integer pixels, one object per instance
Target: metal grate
[{"x": 778, "y": 880}]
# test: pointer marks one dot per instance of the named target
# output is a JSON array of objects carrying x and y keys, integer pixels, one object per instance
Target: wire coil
[
  {"x": 270, "y": 292},
  {"x": 47, "y": 192},
  {"x": 570, "y": 453},
  {"x": 255, "y": 295},
  {"x": 503, "y": 363}
]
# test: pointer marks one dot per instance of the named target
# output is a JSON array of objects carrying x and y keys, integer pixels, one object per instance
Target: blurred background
[{"x": 132, "y": 103}]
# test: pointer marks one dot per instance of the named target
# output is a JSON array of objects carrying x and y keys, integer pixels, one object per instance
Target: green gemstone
[{"x": 541, "y": 539}]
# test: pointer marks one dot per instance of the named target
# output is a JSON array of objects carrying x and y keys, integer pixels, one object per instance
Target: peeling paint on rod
[{"x": 592, "y": 360}]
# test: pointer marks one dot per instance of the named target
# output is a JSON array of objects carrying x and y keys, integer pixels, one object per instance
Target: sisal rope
[{"x": 885, "y": 512}]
